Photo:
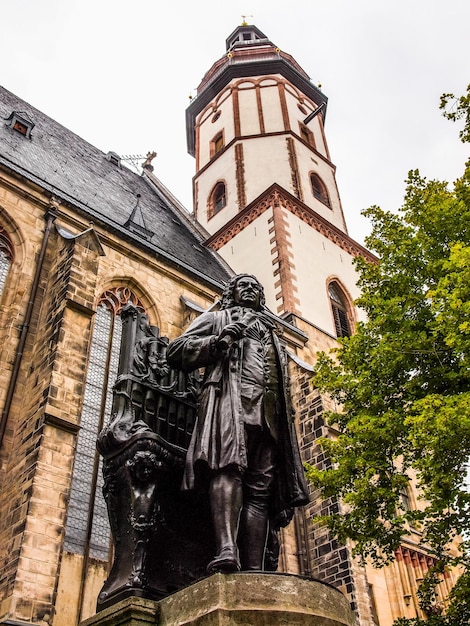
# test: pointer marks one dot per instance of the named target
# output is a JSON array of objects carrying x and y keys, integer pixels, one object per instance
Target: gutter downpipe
[{"x": 50, "y": 216}]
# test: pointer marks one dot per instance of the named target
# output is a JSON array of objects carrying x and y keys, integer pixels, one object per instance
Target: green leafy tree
[
  {"x": 403, "y": 382},
  {"x": 454, "y": 109}
]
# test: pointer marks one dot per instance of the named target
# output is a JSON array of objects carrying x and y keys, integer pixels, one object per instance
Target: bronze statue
[
  {"x": 243, "y": 450},
  {"x": 229, "y": 439}
]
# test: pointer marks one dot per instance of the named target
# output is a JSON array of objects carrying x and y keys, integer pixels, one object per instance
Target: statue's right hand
[
  {"x": 232, "y": 332},
  {"x": 236, "y": 330}
]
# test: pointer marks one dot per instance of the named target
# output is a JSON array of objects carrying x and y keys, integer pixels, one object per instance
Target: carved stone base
[{"x": 242, "y": 599}]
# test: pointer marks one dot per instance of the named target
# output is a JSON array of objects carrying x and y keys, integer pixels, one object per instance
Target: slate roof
[{"x": 77, "y": 172}]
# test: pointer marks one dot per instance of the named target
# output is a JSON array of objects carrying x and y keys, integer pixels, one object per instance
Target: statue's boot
[
  {"x": 253, "y": 535},
  {"x": 226, "y": 500}
]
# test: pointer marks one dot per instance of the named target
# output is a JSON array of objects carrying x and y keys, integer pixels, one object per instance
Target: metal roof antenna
[{"x": 134, "y": 160}]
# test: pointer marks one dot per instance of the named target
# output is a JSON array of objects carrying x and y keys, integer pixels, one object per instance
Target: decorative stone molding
[
  {"x": 294, "y": 168},
  {"x": 233, "y": 228},
  {"x": 276, "y": 196},
  {"x": 240, "y": 173},
  {"x": 282, "y": 256}
]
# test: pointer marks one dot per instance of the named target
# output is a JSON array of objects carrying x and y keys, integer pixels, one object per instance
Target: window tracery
[
  {"x": 87, "y": 529},
  {"x": 6, "y": 257}
]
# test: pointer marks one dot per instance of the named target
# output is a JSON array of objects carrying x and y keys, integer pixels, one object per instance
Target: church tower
[
  {"x": 265, "y": 192},
  {"x": 265, "y": 187}
]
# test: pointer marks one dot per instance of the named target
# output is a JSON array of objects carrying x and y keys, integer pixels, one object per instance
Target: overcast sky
[{"x": 119, "y": 74}]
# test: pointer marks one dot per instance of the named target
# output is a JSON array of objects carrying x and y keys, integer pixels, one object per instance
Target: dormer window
[
  {"x": 114, "y": 158},
  {"x": 21, "y": 123},
  {"x": 20, "y": 127}
]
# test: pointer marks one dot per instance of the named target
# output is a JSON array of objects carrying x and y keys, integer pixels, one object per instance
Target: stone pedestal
[{"x": 245, "y": 599}]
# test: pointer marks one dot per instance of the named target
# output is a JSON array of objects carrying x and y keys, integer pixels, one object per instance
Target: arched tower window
[
  {"x": 87, "y": 530},
  {"x": 306, "y": 135},
  {"x": 217, "y": 199},
  {"x": 6, "y": 257},
  {"x": 339, "y": 307},
  {"x": 319, "y": 190},
  {"x": 217, "y": 144}
]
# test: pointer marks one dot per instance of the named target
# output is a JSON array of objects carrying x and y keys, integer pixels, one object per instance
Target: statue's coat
[{"x": 218, "y": 439}]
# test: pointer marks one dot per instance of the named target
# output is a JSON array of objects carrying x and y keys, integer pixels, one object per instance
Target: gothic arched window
[
  {"x": 217, "y": 199},
  {"x": 87, "y": 529},
  {"x": 339, "y": 307},
  {"x": 6, "y": 257},
  {"x": 319, "y": 190}
]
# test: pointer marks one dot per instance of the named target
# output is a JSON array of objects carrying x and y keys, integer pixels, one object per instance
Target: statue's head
[{"x": 244, "y": 290}]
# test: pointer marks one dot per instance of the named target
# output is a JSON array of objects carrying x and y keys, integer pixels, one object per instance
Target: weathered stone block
[{"x": 245, "y": 599}]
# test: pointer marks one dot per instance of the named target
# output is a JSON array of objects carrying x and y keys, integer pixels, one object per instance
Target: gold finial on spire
[{"x": 245, "y": 23}]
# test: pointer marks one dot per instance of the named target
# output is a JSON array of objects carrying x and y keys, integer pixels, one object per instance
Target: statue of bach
[{"x": 243, "y": 451}]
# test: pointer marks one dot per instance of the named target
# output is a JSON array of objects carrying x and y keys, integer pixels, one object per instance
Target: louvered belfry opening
[{"x": 340, "y": 311}]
